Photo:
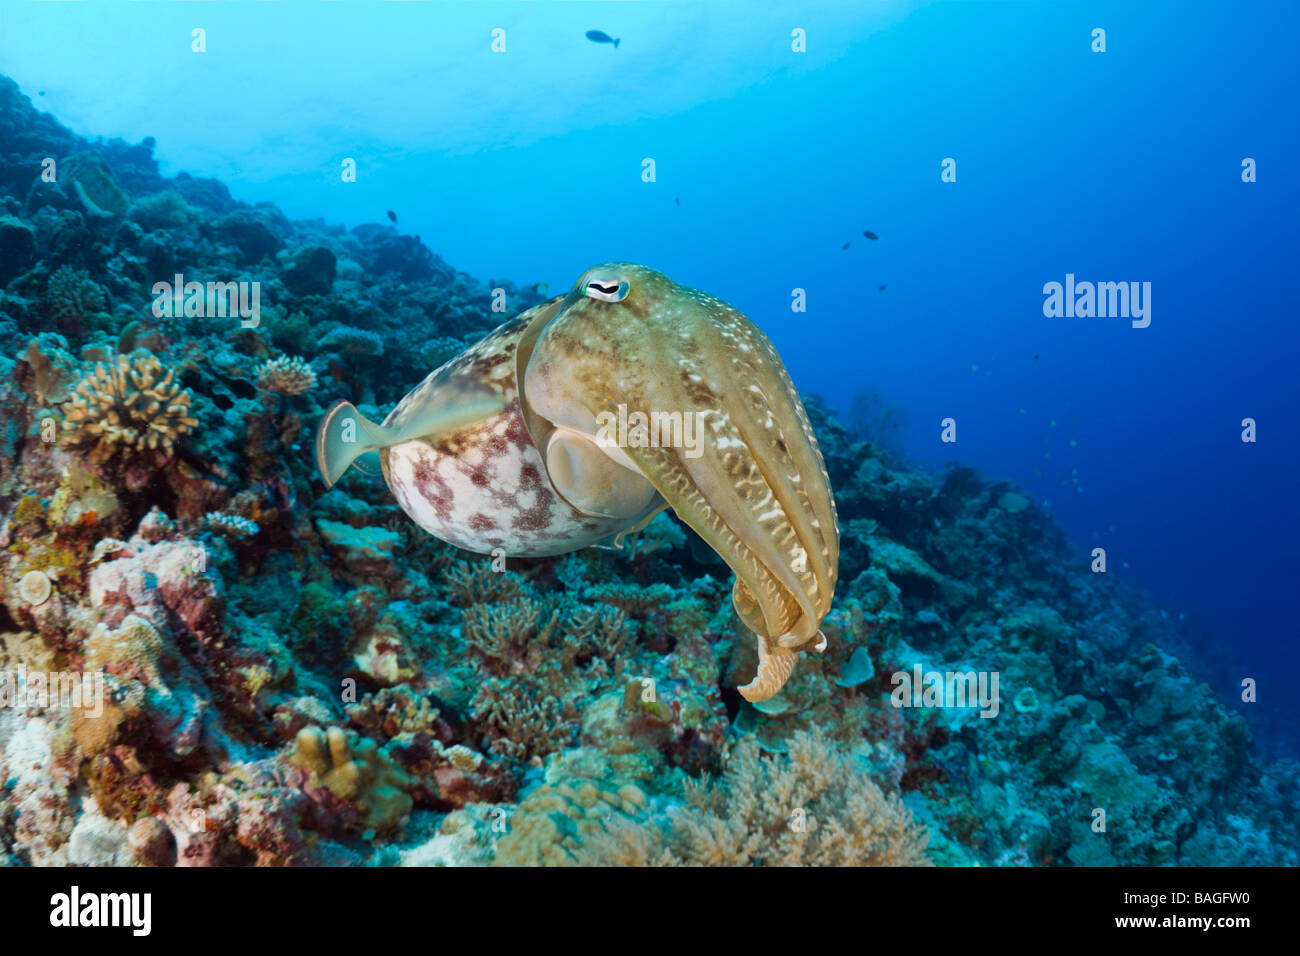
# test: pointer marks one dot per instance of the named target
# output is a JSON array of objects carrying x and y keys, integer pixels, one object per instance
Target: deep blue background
[{"x": 1116, "y": 166}]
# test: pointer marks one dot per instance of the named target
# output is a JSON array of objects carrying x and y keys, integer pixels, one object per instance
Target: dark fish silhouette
[
  {"x": 881, "y": 289},
  {"x": 392, "y": 215},
  {"x": 843, "y": 247},
  {"x": 1035, "y": 358},
  {"x": 600, "y": 36},
  {"x": 677, "y": 200},
  {"x": 869, "y": 234}
]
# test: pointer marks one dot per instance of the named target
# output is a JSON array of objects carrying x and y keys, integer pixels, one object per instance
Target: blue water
[{"x": 1123, "y": 165}]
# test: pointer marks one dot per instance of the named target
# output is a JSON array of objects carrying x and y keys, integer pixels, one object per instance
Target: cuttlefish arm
[{"x": 753, "y": 484}]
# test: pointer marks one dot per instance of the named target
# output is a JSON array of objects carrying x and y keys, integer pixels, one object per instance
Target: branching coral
[
  {"x": 631, "y": 598},
  {"x": 500, "y": 634},
  {"x": 807, "y": 808},
  {"x": 477, "y": 583},
  {"x": 604, "y": 632},
  {"x": 128, "y": 406},
  {"x": 524, "y": 725},
  {"x": 286, "y": 376}
]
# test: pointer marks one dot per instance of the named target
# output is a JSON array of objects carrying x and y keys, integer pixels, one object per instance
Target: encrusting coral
[
  {"x": 231, "y": 526},
  {"x": 556, "y": 823},
  {"x": 128, "y": 405}
]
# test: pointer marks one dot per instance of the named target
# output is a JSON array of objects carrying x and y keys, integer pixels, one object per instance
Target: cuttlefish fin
[{"x": 345, "y": 434}]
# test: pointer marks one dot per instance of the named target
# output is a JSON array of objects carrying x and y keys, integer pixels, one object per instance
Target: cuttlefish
[{"x": 510, "y": 447}]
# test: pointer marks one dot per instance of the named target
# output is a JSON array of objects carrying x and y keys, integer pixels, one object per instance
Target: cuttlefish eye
[{"x": 607, "y": 290}]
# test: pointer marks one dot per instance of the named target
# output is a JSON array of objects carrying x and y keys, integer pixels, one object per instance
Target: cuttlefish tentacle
[{"x": 753, "y": 486}]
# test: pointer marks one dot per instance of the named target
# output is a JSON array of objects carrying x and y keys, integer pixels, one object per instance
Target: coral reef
[{"x": 279, "y": 674}]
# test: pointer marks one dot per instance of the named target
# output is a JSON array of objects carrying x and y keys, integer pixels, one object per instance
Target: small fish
[
  {"x": 881, "y": 289},
  {"x": 600, "y": 36},
  {"x": 392, "y": 215},
  {"x": 677, "y": 200},
  {"x": 869, "y": 234},
  {"x": 843, "y": 247},
  {"x": 1035, "y": 358}
]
